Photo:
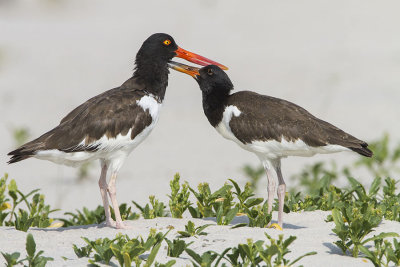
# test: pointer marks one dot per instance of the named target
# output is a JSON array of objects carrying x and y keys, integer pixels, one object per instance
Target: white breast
[{"x": 223, "y": 127}]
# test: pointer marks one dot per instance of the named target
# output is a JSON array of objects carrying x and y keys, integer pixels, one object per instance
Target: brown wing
[
  {"x": 269, "y": 118},
  {"x": 110, "y": 113}
]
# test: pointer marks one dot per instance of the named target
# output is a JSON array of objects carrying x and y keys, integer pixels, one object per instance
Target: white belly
[{"x": 272, "y": 149}]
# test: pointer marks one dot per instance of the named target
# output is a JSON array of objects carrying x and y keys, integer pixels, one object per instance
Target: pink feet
[
  {"x": 111, "y": 223},
  {"x": 121, "y": 225}
]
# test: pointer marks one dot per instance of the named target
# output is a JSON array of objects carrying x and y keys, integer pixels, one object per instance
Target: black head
[
  {"x": 159, "y": 47},
  {"x": 213, "y": 79}
]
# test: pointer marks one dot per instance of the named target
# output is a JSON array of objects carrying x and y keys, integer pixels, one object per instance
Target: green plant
[
  {"x": 82, "y": 251},
  {"x": 208, "y": 203},
  {"x": 390, "y": 203},
  {"x": 192, "y": 230},
  {"x": 101, "y": 247},
  {"x": 84, "y": 217},
  {"x": 168, "y": 264},
  {"x": 311, "y": 175},
  {"x": 353, "y": 222},
  {"x": 259, "y": 215},
  {"x": 384, "y": 162},
  {"x": 12, "y": 259},
  {"x": 225, "y": 217},
  {"x": 245, "y": 197},
  {"x": 34, "y": 259},
  {"x": 204, "y": 260},
  {"x": 4, "y": 200},
  {"x": 176, "y": 247},
  {"x": 37, "y": 214},
  {"x": 253, "y": 253},
  {"x": 157, "y": 209},
  {"x": 96, "y": 216},
  {"x": 254, "y": 174},
  {"x": 179, "y": 198},
  {"x": 123, "y": 248},
  {"x": 384, "y": 252}
]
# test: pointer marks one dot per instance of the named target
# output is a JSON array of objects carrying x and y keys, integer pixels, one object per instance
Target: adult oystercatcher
[
  {"x": 110, "y": 125},
  {"x": 270, "y": 127}
]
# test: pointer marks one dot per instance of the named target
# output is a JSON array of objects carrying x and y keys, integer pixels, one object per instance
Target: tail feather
[
  {"x": 23, "y": 152},
  {"x": 363, "y": 150},
  {"x": 17, "y": 158}
]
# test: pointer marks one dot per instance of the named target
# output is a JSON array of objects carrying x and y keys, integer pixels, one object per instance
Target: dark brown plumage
[
  {"x": 280, "y": 118},
  {"x": 110, "y": 113}
]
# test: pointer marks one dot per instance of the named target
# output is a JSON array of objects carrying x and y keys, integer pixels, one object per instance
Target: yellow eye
[{"x": 167, "y": 42}]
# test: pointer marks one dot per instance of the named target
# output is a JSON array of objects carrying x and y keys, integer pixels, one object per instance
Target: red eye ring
[{"x": 167, "y": 42}]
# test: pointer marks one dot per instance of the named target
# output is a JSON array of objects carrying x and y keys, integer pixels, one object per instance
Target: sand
[{"x": 313, "y": 234}]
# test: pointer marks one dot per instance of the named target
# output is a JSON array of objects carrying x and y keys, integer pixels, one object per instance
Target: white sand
[{"x": 313, "y": 234}]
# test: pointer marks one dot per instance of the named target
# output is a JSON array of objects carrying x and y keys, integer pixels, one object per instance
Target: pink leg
[
  {"x": 271, "y": 189},
  {"x": 113, "y": 196},
  {"x": 281, "y": 194},
  {"x": 103, "y": 192}
]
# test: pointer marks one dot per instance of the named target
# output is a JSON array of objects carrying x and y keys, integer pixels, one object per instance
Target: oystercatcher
[
  {"x": 110, "y": 125},
  {"x": 270, "y": 127}
]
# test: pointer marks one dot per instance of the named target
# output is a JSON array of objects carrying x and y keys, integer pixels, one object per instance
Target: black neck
[
  {"x": 153, "y": 76},
  {"x": 214, "y": 105}
]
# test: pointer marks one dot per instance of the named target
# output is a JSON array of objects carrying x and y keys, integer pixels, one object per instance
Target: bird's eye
[
  {"x": 167, "y": 42},
  {"x": 210, "y": 72}
]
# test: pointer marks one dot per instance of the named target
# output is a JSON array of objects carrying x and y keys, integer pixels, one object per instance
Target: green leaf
[
  {"x": 238, "y": 191},
  {"x": 373, "y": 190},
  {"x": 299, "y": 258},
  {"x": 337, "y": 217},
  {"x": 184, "y": 234},
  {"x": 366, "y": 252},
  {"x": 194, "y": 255},
  {"x": 30, "y": 245},
  {"x": 380, "y": 236},
  {"x": 152, "y": 255},
  {"x": 231, "y": 214},
  {"x": 127, "y": 260}
]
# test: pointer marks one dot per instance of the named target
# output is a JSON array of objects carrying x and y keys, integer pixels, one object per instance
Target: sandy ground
[{"x": 313, "y": 234}]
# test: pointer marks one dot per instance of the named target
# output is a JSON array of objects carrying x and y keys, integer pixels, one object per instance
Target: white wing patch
[
  {"x": 149, "y": 103},
  {"x": 223, "y": 127}
]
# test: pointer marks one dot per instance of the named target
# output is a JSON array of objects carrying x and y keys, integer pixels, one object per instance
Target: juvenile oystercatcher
[
  {"x": 270, "y": 127},
  {"x": 110, "y": 125}
]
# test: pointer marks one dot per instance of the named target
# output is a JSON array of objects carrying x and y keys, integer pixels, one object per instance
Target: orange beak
[
  {"x": 192, "y": 71},
  {"x": 197, "y": 59}
]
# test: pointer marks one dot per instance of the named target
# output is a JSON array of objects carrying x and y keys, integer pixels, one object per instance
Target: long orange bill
[
  {"x": 192, "y": 57},
  {"x": 192, "y": 71}
]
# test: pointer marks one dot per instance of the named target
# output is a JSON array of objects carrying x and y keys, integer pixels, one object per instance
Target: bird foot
[
  {"x": 121, "y": 225},
  {"x": 111, "y": 223},
  {"x": 275, "y": 226}
]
